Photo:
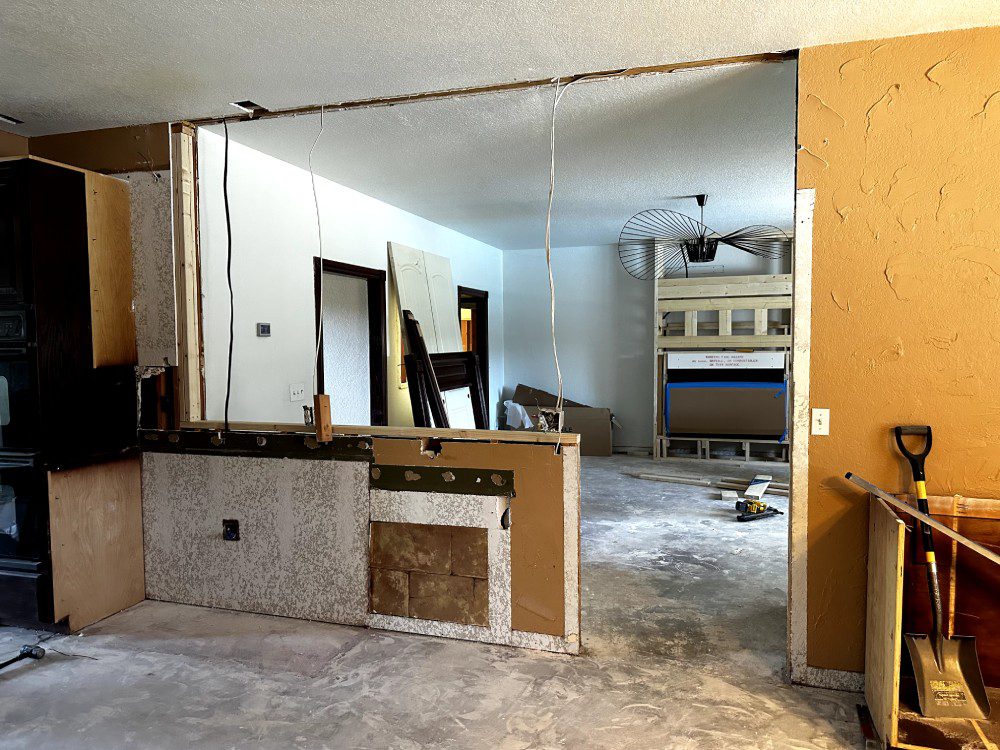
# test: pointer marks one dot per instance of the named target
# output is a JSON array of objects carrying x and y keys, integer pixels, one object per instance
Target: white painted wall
[
  {"x": 274, "y": 242},
  {"x": 604, "y": 329},
  {"x": 346, "y": 348}
]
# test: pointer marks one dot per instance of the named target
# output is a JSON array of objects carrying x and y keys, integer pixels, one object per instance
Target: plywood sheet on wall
[
  {"x": 109, "y": 150},
  {"x": 901, "y": 140},
  {"x": 296, "y": 517},
  {"x": 537, "y": 543},
  {"x": 96, "y": 535},
  {"x": 12, "y": 144}
]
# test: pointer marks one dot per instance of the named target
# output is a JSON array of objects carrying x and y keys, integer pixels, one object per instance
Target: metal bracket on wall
[
  {"x": 456, "y": 481},
  {"x": 257, "y": 444}
]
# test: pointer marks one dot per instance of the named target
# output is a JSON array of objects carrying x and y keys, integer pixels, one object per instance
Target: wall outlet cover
[
  {"x": 820, "y": 421},
  {"x": 297, "y": 392}
]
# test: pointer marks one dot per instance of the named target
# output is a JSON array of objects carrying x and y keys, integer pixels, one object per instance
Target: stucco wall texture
[{"x": 901, "y": 140}]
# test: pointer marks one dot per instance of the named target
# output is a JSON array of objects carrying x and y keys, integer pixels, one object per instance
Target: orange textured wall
[{"x": 901, "y": 140}]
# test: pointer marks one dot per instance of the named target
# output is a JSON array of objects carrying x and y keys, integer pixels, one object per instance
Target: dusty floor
[{"x": 684, "y": 632}]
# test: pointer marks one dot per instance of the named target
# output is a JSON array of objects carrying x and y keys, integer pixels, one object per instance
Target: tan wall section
[
  {"x": 135, "y": 148},
  {"x": 13, "y": 145},
  {"x": 901, "y": 140}
]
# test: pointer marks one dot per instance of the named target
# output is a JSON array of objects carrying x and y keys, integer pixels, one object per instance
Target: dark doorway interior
[
  {"x": 474, "y": 321},
  {"x": 375, "y": 281}
]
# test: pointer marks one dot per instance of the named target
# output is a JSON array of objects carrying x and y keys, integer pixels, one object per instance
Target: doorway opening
[
  {"x": 474, "y": 322},
  {"x": 351, "y": 366}
]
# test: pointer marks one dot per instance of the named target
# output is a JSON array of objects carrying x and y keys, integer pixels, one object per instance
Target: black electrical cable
[{"x": 229, "y": 268}]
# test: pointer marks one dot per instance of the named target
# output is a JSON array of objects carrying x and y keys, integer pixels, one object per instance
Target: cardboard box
[
  {"x": 592, "y": 425},
  {"x": 759, "y": 411}
]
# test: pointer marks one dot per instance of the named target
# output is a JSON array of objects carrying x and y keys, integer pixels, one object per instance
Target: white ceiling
[
  {"x": 82, "y": 64},
  {"x": 480, "y": 164}
]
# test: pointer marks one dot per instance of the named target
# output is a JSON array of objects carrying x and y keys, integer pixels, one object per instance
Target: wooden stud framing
[
  {"x": 725, "y": 322},
  {"x": 188, "y": 284},
  {"x": 760, "y": 320}
]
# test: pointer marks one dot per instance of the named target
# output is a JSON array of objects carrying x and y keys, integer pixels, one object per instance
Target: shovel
[{"x": 949, "y": 681}]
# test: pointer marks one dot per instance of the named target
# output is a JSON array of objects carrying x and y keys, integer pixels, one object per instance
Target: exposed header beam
[{"x": 389, "y": 101}]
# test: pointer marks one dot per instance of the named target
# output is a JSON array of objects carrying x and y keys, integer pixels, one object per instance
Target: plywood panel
[
  {"x": 537, "y": 540},
  {"x": 109, "y": 233},
  {"x": 886, "y": 536},
  {"x": 96, "y": 536}
]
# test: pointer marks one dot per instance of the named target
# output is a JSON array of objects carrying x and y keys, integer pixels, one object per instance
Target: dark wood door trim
[
  {"x": 376, "y": 331},
  {"x": 480, "y": 298}
]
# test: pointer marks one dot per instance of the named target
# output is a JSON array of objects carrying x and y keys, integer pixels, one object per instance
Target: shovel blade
[{"x": 955, "y": 689}]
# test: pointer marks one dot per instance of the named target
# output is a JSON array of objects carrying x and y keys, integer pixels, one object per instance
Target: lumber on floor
[{"x": 727, "y": 483}]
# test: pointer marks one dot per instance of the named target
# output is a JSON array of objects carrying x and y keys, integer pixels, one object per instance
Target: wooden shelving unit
[{"x": 680, "y": 309}]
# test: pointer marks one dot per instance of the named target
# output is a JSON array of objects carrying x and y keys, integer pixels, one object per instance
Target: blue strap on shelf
[{"x": 781, "y": 388}]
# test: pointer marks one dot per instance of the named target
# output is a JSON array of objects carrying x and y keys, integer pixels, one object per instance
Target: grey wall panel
[{"x": 303, "y": 550}]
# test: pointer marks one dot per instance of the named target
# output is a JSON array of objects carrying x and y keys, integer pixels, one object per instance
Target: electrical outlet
[
  {"x": 297, "y": 392},
  {"x": 821, "y": 422}
]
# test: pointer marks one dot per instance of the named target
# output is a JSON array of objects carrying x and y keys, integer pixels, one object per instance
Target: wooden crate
[
  {"x": 723, "y": 295},
  {"x": 894, "y": 607}
]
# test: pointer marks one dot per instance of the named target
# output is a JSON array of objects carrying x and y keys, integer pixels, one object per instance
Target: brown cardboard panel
[
  {"x": 411, "y": 546},
  {"x": 134, "y": 148},
  {"x": 902, "y": 301},
  {"x": 527, "y": 396},
  {"x": 536, "y": 533},
  {"x": 592, "y": 425},
  {"x": 390, "y": 592},
  {"x": 12, "y": 144},
  {"x": 727, "y": 411}
]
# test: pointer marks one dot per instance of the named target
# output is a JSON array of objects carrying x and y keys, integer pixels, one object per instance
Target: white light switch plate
[
  {"x": 297, "y": 392},
  {"x": 821, "y": 422}
]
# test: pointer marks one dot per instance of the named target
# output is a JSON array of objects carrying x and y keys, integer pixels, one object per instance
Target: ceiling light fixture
[
  {"x": 11, "y": 120},
  {"x": 657, "y": 243},
  {"x": 251, "y": 108}
]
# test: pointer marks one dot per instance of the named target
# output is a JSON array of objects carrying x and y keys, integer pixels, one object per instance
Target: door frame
[
  {"x": 377, "y": 357},
  {"x": 482, "y": 300}
]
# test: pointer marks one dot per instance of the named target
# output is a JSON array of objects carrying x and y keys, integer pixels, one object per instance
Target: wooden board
[
  {"x": 724, "y": 342},
  {"x": 725, "y": 286},
  {"x": 886, "y": 539},
  {"x": 725, "y": 303},
  {"x": 186, "y": 277},
  {"x": 109, "y": 234},
  {"x": 96, "y": 536}
]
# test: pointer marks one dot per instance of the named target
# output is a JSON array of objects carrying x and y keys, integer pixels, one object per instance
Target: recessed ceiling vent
[{"x": 11, "y": 120}]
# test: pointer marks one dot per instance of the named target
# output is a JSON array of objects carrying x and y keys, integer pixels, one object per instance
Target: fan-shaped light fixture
[{"x": 659, "y": 243}]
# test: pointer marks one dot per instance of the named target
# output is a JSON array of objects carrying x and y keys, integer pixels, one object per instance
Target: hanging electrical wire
[
  {"x": 319, "y": 235},
  {"x": 229, "y": 270},
  {"x": 557, "y": 96}
]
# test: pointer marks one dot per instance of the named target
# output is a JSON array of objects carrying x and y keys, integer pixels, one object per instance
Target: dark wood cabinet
[{"x": 68, "y": 405}]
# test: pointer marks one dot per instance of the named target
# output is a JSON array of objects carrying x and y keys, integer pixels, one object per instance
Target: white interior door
[
  {"x": 425, "y": 287},
  {"x": 411, "y": 288},
  {"x": 443, "y": 295}
]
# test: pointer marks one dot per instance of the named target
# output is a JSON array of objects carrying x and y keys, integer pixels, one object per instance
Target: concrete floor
[{"x": 684, "y": 636}]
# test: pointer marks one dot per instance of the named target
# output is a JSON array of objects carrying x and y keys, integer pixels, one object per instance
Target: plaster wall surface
[
  {"x": 296, "y": 516},
  {"x": 901, "y": 140},
  {"x": 274, "y": 242},
  {"x": 153, "y": 266}
]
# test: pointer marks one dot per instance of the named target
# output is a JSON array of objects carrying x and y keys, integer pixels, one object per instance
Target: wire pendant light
[{"x": 658, "y": 243}]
